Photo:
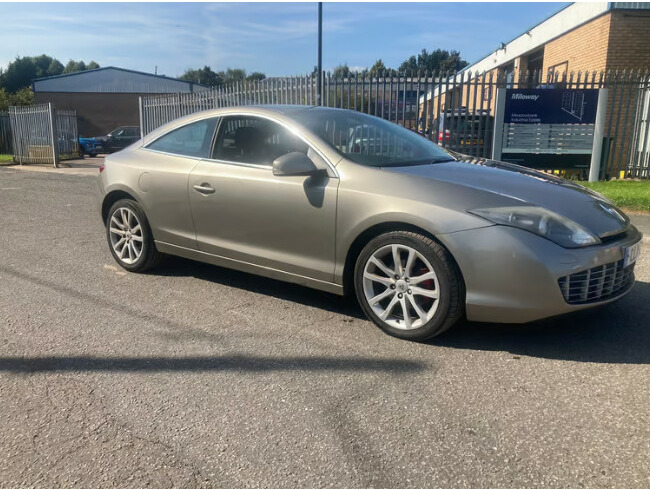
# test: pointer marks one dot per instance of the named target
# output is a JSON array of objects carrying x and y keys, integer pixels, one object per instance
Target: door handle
[{"x": 204, "y": 188}]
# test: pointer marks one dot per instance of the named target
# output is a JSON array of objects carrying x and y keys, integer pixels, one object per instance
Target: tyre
[
  {"x": 408, "y": 285},
  {"x": 129, "y": 237}
]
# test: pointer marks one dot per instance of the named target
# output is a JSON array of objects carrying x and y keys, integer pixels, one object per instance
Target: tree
[
  {"x": 438, "y": 60},
  {"x": 256, "y": 76},
  {"x": 93, "y": 65},
  {"x": 341, "y": 71},
  {"x": 19, "y": 73},
  {"x": 42, "y": 64},
  {"x": 55, "y": 68},
  {"x": 204, "y": 76},
  {"x": 74, "y": 67},
  {"x": 379, "y": 69},
  {"x": 234, "y": 75}
]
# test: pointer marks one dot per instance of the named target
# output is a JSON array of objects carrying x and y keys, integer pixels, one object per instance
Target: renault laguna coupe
[{"x": 352, "y": 204}]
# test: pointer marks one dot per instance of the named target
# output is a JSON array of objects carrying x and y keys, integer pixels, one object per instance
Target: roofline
[
  {"x": 120, "y": 69},
  {"x": 608, "y": 7},
  {"x": 519, "y": 35}
]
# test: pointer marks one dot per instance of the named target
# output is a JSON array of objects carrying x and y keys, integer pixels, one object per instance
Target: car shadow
[
  {"x": 179, "y": 267},
  {"x": 615, "y": 333},
  {"x": 236, "y": 363}
]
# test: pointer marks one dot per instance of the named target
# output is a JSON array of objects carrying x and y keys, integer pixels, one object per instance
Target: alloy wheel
[
  {"x": 401, "y": 286},
  {"x": 126, "y": 235}
]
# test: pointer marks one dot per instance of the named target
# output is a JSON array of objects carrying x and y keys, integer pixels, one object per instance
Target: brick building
[
  {"x": 583, "y": 38},
  {"x": 106, "y": 98}
]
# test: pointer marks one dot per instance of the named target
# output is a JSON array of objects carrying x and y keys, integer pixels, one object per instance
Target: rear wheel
[
  {"x": 408, "y": 285},
  {"x": 129, "y": 237}
]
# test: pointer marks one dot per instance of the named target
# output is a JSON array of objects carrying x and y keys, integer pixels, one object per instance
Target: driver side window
[{"x": 246, "y": 139}]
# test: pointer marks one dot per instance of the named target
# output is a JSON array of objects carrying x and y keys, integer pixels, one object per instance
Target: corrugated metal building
[{"x": 106, "y": 98}]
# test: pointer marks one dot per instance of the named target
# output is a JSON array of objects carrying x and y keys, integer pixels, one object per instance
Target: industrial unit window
[{"x": 557, "y": 72}]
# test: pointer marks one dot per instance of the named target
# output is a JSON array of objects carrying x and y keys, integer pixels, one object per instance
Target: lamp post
[{"x": 320, "y": 54}]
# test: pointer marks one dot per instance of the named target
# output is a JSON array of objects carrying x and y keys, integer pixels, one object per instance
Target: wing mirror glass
[{"x": 294, "y": 163}]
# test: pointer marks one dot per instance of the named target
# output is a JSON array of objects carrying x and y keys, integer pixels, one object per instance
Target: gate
[{"x": 42, "y": 135}]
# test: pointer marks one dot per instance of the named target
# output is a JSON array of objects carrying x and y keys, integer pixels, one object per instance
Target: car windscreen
[{"x": 370, "y": 140}]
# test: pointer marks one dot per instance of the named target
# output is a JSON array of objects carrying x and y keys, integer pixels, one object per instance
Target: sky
[{"x": 274, "y": 38}]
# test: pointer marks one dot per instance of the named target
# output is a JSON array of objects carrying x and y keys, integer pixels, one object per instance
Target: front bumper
[{"x": 514, "y": 276}]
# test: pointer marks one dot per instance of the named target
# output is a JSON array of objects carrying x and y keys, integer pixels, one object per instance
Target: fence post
[
  {"x": 141, "y": 121},
  {"x": 599, "y": 131},
  {"x": 497, "y": 137},
  {"x": 53, "y": 134}
]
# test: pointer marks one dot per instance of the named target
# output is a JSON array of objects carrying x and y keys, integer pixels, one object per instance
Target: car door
[
  {"x": 243, "y": 212},
  {"x": 163, "y": 168}
]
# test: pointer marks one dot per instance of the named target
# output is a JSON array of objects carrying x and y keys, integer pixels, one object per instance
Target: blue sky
[{"x": 275, "y": 38}]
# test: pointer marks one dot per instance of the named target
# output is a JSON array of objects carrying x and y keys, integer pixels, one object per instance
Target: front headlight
[{"x": 542, "y": 222}]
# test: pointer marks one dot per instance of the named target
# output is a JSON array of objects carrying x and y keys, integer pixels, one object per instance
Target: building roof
[
  {"x": 111, "y": 79},
  {"x": 564, "y": 20}
]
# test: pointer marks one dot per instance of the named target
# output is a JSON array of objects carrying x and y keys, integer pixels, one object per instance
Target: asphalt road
[{"x": 199, "y": 376}]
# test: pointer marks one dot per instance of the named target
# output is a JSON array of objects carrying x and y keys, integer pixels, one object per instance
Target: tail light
[{"x": 101, "y": 168}]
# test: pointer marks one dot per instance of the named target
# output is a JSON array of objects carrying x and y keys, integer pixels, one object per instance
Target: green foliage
[
  {"x": 203, "y": 76},
  {"x": 438, "y": 60},
  {"x": 234, "y": 75},
  {"x": 256, "y": 76},
  {"x": 341, "y": 71},
  {"x": 632, "y": 195},
  {"x": 55, "y": 68},
  {"x": 206, "y": 76},
  {"x": 20, "y": 72},
  {"x": 74, "y": 67},
  {"x": 22, "y": 97}
]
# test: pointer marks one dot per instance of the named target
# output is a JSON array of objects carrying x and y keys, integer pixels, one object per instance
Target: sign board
[
  {"x": 551, "y": 128},
  {"x": 550, "y": 106}
]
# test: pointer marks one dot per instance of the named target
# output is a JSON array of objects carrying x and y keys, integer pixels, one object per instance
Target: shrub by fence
[{"x": 5, "y": 134}]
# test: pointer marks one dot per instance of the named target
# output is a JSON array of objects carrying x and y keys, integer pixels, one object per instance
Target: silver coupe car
[{"x": 349, "y": 203}]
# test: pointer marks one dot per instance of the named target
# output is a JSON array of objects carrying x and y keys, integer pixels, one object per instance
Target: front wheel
[
  {"x": 129, "y": 237},
  {"x": 408, "y": 285}
]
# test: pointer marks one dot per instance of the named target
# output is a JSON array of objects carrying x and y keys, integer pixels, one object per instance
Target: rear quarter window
[{"x": 194, "y": 139}]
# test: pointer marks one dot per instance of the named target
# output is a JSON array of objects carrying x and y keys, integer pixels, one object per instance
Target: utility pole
[{"x": 320, "y": 54}]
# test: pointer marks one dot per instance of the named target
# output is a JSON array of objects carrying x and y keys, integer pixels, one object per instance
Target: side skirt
[{"x": 188, "y": 253}]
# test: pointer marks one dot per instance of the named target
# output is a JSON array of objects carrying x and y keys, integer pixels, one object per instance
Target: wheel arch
[
  {"x": 374, "y": 231},
  {"x": 112, "y": 197}
]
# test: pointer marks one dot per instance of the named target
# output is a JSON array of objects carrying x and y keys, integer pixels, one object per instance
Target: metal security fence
[
  {"x": 67, "y": 132},
  {"x": 6, "y": 147},
  {"x": 454, "y": 110},
  {"x": 161, "y": 109},
  {"x": 40, "y": 134}
]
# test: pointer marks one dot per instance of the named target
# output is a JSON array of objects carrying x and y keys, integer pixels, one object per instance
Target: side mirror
[{"x": 294, "y": 163}]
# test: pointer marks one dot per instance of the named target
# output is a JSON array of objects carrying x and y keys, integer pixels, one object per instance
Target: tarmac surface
[{"x": 197, "y": 376}]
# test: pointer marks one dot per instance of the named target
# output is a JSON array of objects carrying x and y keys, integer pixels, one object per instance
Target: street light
[{"x": 320, "y": 53}]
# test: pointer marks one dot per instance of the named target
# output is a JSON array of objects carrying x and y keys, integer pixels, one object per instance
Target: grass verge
[
  {"x": 631, "y": 195},
  {"x": 6, "y": 158}
]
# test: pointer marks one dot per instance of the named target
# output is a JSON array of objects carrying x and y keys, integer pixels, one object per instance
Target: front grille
[{"x": 597, "y": 284}]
